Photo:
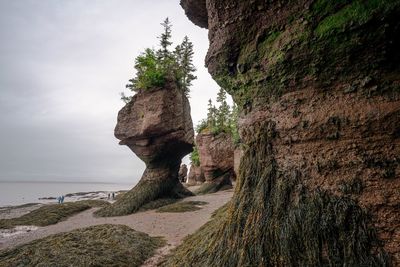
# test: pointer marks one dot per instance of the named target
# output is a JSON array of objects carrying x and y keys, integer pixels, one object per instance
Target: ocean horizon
[{"x": 22, "y": 192}]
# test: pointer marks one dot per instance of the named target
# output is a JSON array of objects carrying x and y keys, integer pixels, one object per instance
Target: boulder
[
  {"x": 183, "y": 173},
  {"x": 196, "y": 175},
  {"x": 156, "y": 125}
]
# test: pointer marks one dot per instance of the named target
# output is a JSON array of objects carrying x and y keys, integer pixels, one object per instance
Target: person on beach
[
  {"x": 59, "y": 199},
  {"x": 62, "y": 199},
  {"x": 108, "y": 196},
  {"x": 113, "y": 195}
]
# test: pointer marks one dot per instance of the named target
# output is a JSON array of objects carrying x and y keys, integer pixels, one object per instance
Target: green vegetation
[
  {"x": 274, "y": 220},
  {"x": 155, "y": 67},
  {"x": 145, "y": 192},
  {"x": 183, "y": 206},
  {"x": 194, "y": 157},
  {"x": 358, "y": 12},
  {"x": 221, "y": 119},
  {"x": 51, "y": 214},
  {"x": 102, "y": 245}
]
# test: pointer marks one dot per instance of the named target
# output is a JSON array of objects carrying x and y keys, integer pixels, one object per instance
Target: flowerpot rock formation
[
  {"x": 318, "y": 84},
  {"x": 156, "y": 125}
]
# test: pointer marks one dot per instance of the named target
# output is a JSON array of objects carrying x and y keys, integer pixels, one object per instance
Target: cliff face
[
  {"x": 156, "y": 125},
  {"x": 318, "y": 83}
]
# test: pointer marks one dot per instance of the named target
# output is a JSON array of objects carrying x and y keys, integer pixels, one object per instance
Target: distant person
[
  {"x": 59, "y": 199},
  {"x": 108, "y": 196},
  {"x": 62, "y": 199},
  {"x": 113, "y": 195}
]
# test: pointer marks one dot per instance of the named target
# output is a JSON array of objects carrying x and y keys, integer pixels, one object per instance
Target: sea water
[{"x": 16, "y": 193}]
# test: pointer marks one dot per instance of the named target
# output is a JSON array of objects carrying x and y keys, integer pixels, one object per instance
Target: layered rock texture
[
  {"x": 156, "y": 125},
  {"x": 216, "y": 154},
  {"x": 319, "y": 181},
  {"x": 196, "y": 175}
]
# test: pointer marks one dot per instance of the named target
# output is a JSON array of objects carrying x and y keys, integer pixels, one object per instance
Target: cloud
[{"x": 62, "y": 67}]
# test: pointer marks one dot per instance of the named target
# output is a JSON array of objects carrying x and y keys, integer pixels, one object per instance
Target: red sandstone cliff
[{"x": 318, "y": 83}]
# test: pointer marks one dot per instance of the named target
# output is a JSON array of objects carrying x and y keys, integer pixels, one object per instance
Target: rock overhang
[{"x": 196, "y": 11}]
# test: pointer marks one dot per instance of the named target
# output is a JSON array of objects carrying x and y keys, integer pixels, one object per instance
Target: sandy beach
[{"x": 172, "y": 226}]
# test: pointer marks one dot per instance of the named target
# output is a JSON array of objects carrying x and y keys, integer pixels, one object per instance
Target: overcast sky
[{"x": 62, "y": 67}]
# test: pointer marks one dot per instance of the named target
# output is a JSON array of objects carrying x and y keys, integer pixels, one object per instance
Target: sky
[{"x": 63, "y": 65}]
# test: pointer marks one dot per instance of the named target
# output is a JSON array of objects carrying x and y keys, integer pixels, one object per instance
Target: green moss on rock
[
  {"x": 102, "y": 245},
  {"x": 357, "y": 12}
]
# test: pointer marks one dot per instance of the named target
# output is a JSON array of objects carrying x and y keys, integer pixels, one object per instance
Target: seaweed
[
  {"x": 51, "y": 214},
  {"x": 102, "y": 245},
  {"x": 220, "y": 183},
  {"x": 183, "y": 206},
  {"x": 275, "y": 220},
  {"x": 145, "y": 192}
]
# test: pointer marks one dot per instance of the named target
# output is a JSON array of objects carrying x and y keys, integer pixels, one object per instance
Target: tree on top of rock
[
  {"x": 220, "y": 119},
  {"x": 155, "y": 67},
  {"x": 165, "y": 42}
]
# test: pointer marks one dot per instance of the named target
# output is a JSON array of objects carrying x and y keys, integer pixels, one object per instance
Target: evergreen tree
[
  {"x": 211, "y": 115},
  {"x": 154, "y": 68},
  {"x": 187, "y": 64},
  {"x": 223, "y": 112},
  {"x": 165, "y": 41}
]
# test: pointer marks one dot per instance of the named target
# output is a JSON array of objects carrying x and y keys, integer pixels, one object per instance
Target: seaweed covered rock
[
  {"x": 183, "y": 173},
  {"x": 237, "y": 156},
  {"x": 100, "y": 245},
  {"x": 216, "y": 154},
  {"x": 156, "y": 125},
  {"x": 196, "y": 175},
  {"x": 318, "y": 84}
]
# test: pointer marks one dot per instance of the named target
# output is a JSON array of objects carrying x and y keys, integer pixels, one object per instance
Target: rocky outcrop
[
  {"x": 196, "y": 175},
  {"x": 216, "y": 160},
  {"x": 197, "y": 12},
  {"x": 318, "y": 83},
  {"x": 156, "y": 125},
  {"x": 183, "y": 173}
]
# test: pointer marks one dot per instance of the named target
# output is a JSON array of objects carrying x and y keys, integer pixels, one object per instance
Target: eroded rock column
[{"x": 156, "y": 125}]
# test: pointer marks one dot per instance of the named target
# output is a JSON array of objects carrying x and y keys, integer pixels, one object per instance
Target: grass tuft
[
  {"x": 183, "y": 206},
  {"x": 102, "y": 245}
]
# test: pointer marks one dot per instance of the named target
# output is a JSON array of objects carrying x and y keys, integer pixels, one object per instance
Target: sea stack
[
  {"x": 216, "y": 153},
  {"x": 318, "y": 86},
  {"x": 156, "y": 125}
]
